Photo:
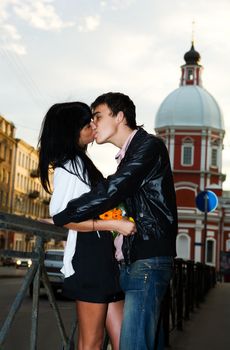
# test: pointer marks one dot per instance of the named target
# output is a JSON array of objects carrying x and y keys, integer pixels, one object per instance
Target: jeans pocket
[{"x": 135, "y": 279}]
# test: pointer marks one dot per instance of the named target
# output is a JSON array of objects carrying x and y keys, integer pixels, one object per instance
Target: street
[{"x": 19, "y": 335}]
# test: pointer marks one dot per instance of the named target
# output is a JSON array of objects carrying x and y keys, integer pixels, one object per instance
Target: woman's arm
[
  {"x": 117, "y": 187},
  {"x": 124, "y": 226},
  {"x": 67, "y": 186}
]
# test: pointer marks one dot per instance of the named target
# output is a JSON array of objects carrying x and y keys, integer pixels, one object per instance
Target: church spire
[{"x": 191, "y": 70}]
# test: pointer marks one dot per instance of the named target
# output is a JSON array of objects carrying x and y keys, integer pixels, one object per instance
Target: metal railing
[
  {"x": 37, "y": 272},
  {"x": 189, "y": 285}
]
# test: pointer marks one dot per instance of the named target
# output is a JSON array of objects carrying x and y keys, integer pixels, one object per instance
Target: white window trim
[
  {"x": 184, "y": 234},
  {"x": 227, "y": 245},
  {"x": 217, "y": 156},
  {"x": 213, "y": 263},
  {"x": 187, "y": 144}
]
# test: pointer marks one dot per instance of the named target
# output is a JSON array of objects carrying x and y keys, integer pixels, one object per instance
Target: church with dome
[{"x": 191, "y": 123}]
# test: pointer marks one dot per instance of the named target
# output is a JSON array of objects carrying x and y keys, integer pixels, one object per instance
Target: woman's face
[{"x": 86, "y": 135}]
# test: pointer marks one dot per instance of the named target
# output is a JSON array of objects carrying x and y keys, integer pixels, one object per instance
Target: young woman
[{"x": 90, "y": 269}]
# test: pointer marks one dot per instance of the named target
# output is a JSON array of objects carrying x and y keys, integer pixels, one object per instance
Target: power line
[{"x": 23, "y": 76}]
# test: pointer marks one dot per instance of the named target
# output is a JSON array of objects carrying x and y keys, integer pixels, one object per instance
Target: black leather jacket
[{"x": 144, "y": 183}]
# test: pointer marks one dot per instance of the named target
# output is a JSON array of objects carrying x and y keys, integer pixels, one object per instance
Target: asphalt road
[{"x": 19, "y": 336}]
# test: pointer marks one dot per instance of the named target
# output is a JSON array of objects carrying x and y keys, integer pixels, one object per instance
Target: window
[
  {"x": 23, "y": 160},
  {"x": 18, "y": 180},
  {"x": 3, "y": 150},
  {"x": 187, "y": 153},
  {"x": 228, "y": 245},
  {"x": 183, "y": 246},
  {"x": 210, "y": 251},
  {"x": 10, "y": 155},
  {"x": 19, "y": 158},
  {"x": 21, "y": 182},
  {"x": 214, "y": 157},
  {"x": 190, "y": 74}
]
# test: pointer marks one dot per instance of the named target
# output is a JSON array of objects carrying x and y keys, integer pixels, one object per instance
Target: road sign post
[{"x": 206, "y": 201}]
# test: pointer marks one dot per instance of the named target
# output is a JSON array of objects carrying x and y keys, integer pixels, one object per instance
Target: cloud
[
  {"x": 89, "y": 24},
  {"x": 116, "y": 4},
  {"x": 40, "y": 14},
  {"x": 129, "y": 48},
  {"x": 11, "y": 40}
]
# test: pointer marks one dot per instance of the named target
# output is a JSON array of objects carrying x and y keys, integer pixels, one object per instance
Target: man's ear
[{"x": 120, "y": 117}]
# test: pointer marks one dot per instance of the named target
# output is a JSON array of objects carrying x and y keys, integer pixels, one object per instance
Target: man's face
[{"x": 105, "y": 124}]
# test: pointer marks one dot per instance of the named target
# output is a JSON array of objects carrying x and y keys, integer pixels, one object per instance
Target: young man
[{"x": 144, "y": 183}]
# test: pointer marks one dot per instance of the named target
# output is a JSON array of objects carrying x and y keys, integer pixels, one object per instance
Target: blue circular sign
[{"x": 206, "y": 200}]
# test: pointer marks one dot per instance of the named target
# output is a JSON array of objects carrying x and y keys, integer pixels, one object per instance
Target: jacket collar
[{"x": 136, "y": 140}]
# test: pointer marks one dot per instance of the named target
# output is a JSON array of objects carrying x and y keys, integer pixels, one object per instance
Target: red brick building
[{"x": 191, "y": 123}]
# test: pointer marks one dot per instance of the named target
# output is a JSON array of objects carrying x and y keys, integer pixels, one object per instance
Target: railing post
[
  {"x": 53, "y": 303},
  {"x": 42, "y": 231},
  {"x": 36, "y": 293},
  {"x": 192, "y": 280},
  {"x": 188, "y": 289},
  {"x": 17, "y": 302},
  {"x": 180, "y": 298},
  {"x": 197, "y": 284}
]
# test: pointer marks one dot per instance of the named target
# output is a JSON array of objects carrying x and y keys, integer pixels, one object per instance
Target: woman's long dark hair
[{"x": 59, "y": 143}]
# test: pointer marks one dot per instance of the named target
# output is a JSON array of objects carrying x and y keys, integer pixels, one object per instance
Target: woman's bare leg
[
  {"x": 91, "y": 323},
  {"x": 113, "y": 322}
]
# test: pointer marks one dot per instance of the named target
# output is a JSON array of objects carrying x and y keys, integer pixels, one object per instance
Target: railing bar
[
  {"x": 29, "y": 226},
  {"x": 35, "y": 310},
  {"x": 17, "y": 302},
  {"x": 70, "y": 345},
  {"x": 33, "y": 231},
  {"x": 54, "y": 305},
  {"x": 19, "y": 254},
  {"x": 36, "y": 293}
]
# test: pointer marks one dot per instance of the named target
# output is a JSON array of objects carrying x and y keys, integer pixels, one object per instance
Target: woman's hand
[{"x": 125, "y": 227}]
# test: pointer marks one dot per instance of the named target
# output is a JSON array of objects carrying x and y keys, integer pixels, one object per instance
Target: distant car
[
  {"x": 7, "y": 261},
  {"x": 23, "y": 262},
  {"x": 53, "y": 263}
]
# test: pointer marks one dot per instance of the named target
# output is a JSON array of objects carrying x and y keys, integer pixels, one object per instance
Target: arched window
[
  {"x": 187, "y": 154},
  {"x": 228, "y": 245},
  {"x": 190, "y": 74},
  {"x": 183, "y": 246},
  {"x": 210, "y": 251}
]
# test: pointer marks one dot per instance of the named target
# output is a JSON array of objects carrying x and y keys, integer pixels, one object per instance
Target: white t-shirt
[{"x": 66, "y": 187}]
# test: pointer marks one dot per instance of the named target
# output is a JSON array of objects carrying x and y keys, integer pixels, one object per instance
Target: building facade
[
  {"x": 28, "y": 197},
  {"x": 191, "y": 123},
  {"x": 7, "y": 158},
  {"x": 21, "y": 192}
]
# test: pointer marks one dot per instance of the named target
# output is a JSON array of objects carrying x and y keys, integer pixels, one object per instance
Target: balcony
[
  {"x": 33, "y": 194},
  {"x": 34, "y": 173},
  {"x": 46, "y": 201}
]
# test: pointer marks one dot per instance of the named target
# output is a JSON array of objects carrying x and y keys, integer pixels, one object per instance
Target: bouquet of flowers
[{"x": 117, "y": 213}]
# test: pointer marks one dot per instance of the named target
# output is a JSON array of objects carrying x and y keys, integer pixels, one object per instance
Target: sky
[{"x": 66, "y": 50}]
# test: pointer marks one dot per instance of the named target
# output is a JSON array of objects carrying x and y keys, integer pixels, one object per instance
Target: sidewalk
[
  {"x": 209, "y": 326},
  {"x": 12, "y": 272}
]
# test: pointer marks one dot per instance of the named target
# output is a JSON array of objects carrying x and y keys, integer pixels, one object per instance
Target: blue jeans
[{"x": 144, "y": 283}]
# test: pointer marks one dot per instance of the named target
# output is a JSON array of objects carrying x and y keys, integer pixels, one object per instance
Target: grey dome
[{"x": 189, "y": 106}]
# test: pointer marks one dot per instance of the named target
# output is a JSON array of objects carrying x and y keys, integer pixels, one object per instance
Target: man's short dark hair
[{"x": 118, "y": 102}]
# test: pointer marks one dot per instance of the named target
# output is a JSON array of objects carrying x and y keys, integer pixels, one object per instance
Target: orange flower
[
  {"x": 114, "y": 214},
  {"x": 117, "y": 214},
  {"x": 108, "y": 215}
]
